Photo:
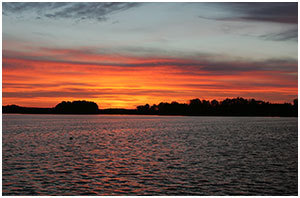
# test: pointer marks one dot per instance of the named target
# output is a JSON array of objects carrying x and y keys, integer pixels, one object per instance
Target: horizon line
[{"x": 154, "y": 104}]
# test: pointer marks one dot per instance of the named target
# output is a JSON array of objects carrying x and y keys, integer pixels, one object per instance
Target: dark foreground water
[{"x": 148, "y": 155}]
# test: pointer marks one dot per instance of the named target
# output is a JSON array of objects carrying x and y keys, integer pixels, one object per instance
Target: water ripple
[{"x": 148, "y": 155}]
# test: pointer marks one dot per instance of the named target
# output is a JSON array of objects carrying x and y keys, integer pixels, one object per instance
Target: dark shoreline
[
  {"x": 237, "y": 107},
  {"x": 162, "y": 115}
]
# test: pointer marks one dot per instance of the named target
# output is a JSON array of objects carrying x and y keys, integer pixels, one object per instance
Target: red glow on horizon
[{"x": 115, "y": 81}]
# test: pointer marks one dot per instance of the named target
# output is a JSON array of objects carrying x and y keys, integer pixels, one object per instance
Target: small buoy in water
[{"x": 71, "y": 138}]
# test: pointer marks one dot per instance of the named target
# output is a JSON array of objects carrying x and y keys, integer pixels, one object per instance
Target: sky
[{"x": 121, "y": 55}]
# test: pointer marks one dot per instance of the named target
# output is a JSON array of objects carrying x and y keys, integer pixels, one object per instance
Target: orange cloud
[{"x": 46, "y": 77}]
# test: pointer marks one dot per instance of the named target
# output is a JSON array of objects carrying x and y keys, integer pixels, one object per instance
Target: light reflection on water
[{"x": 148, "y": 155}]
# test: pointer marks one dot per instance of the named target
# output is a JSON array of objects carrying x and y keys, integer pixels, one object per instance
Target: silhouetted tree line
[
  {"x": 228, "y": 107},
  {"x": 76, "y": 107},
  {"x": 118, "y": 111},
  {"x": 195, "y": 107},
  {"x": 28, "y": 110}
]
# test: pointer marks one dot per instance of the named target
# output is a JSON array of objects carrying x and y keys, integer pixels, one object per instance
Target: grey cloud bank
[{"x": 77, "y": 11}]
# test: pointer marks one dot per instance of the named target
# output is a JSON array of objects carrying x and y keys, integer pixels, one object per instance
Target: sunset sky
[{"x": 121, "y": 55}]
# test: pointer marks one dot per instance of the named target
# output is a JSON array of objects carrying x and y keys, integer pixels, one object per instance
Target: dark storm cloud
[
  {"x": 264, "y": 12},
  {"x": 78, "y": 11}
]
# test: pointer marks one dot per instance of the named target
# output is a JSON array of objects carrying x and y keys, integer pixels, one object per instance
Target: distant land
[{"x": 195, "y": 107}]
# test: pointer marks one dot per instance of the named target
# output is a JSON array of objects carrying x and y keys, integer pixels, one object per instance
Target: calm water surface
[{"x": 148, "y": 155}]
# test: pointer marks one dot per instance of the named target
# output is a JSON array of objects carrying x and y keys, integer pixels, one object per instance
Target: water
[{"x": 148, "y": 155}]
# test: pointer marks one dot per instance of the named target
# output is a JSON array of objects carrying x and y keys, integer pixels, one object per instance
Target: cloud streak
[
  {"x": 80, "y": 92},
  {"x": 158, "y": 52},
  {"x": 291, "y": 35},
  {"x": 202, "y": 64},
  {"x": 66, "y": 74},
  {"x": 285, "y": 13},
  {"x": 98, "y": 11}
]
